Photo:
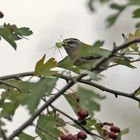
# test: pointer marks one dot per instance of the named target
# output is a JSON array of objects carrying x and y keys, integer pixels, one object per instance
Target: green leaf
[
  {"x": 99, "y": 128},
  {"x": 66, "y": 63},
  {"x": 35, "y": 91},
  {"x": 112, "y": 19},
  {"x": 137, "y": 33},
  {"x": 23, "y": 31},
  {"x": 88, "y": 99},
  {"x": 125, "y": 62},
  {"x": 138, "y": 25},
  {"x": 6, "y": 34},
  {"x": 24, "y": 136},
  {"x": 47, "y": 126},
  {"x": 59, "y": 45},
  {"x": 136, "y": 13},
  {"x": 117, "y": 6},
  {"x": 94, "y": 50},
  {"x": 92, "y": 5},
  {"x": 123, "y": 132},
  {"x": 137, "y": 92},
  {"x": 90, "y": 124},
  {"x": 12, "y": 33},
  {"x": 134, "y": 2},
  {"x": 98, "y": 44},
  {"x": 14, "y": 100},
  {"x": 44, "y": 68},
  {"x": 72, "y": 101}
]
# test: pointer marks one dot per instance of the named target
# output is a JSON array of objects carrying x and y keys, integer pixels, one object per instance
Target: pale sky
[{"x": 53, "y": 20}]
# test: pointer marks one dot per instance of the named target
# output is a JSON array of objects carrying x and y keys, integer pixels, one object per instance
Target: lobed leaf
[
  {"x": 47, "y": 126},
  {"x": 88, "y": 100},
  {"x": 25, "y": 136},
  {"x": 136, "y": 13},
  {"x": 35, "y": 92},
  {"x": 43, "y": 68}
]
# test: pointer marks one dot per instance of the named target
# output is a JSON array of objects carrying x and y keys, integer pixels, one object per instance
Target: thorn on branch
[{"x": 123, "y": 35}]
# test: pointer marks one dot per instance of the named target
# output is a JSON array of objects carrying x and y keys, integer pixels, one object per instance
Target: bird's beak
[{"x": 64, "y": 44}]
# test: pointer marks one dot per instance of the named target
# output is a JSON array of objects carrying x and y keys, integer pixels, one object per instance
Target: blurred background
[{"x": 52, "y": 21}]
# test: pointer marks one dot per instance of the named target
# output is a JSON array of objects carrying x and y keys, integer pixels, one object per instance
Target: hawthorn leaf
[
  {"x": 12, "y": 33},
  {"x": 6, "y": 34},
  {"x": 43, "y": 68},
  {"x": 66, "y": 63},
  {"x": 99, "y": 128},
  {"x": 98, "y": 44},
  {"x": 138, "y": 25},
  {"x": 35, "y": 92},
  {"x": 25, "y": 136},
  {"x": 133, "y": 46},
  {"x": 47, "y": 126},
  {"x": 134, "y": 2},
  {"x": 117, "y": 6},
  {"x": 123, "y": 132},
  {"x": 90, "y": 123},
  {"x": 112, "y": 19},
  {"x": 136, "y": 13},
  {"x": 23, "y": 31},
  {"x": 14, "y": 100},
  {"x": 125, "y": 62},
  {"x": 72, "y": 101},
  {"x": 95, "y": 50},
  {"x": 137, "y": 33},
  {"x": 137, "y": 92},
  {"x": 88, "y": 99}
]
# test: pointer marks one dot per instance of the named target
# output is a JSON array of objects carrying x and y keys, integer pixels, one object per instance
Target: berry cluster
[
  {"x": 110, "y": 130},
  {"x": 81, "y": 135}
]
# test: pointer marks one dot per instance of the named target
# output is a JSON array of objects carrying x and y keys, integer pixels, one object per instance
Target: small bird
[{"x": 86, "y": 56}]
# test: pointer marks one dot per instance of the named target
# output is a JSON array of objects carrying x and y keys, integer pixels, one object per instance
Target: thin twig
[
  {"x": 16, "y": 76},
  {"x": 115, "y": 50},
  {"x": 3, "y": 134},
  {"x": 114, "y": 92},
  {"x": 9, "y": 85}
]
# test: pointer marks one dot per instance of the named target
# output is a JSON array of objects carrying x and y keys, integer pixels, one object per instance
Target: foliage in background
[
  {"x": 118, "y": 8},
  {"x": 49, "y": 124}
]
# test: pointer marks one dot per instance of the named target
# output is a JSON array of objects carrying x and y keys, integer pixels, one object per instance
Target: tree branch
[
  {"x": 115, "y": 50},
  {"x": 114, "y": 92},
  {"x": 16, "y": 76}
]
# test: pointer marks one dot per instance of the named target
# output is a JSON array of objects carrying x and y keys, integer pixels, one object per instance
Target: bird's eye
[{"x": 71, "y": 42}]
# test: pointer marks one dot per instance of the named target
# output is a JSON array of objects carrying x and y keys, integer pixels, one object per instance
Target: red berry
[
  {"x": 70, "y": 137},
  {"x": 75, "y": 137},
  {"x": 82, "y": 135},
  {"x": 115, "y": 129},
  {"x": 63, "y": 137},
  {"x": 1, "y": 15},
  {"x": 112, "y": 135},
  {"x": 67, "y": 137},
  {"x": 82, "y": 113}
]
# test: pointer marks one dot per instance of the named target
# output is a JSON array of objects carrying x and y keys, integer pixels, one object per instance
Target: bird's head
[{"x": 71, "y": 45}]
